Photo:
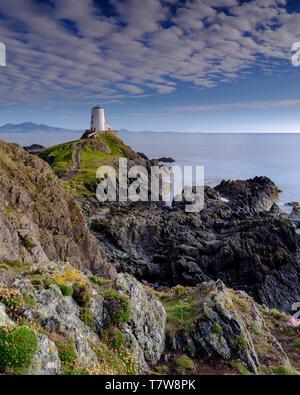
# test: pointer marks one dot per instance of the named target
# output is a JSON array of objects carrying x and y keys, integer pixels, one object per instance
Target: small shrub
[
  {"x": 217, "y": 328},
  {"x": 118, "y": 307},
  {"x": 98, "y": 281},
  {"x": 38, "y": 271},
  {"x": 71, "y": 371},
  {"x": 66, "y": 350},
  {"x": 38, "y": 283},
  {"x": 12, "y": 299},
  {"x": 29, "y": 300},
  {"x": 17, "y": 266},
  {"x": 180, "y": 292},
  {"x": 241, "y": 368},
  {"x": 47, "y": 281},
  {"x": 28, "y": 244},
  {"x": 82, "y": 295},
  {"x": 162, "y": 369},
  {"x": 284, "y": 371},
  {"x": 86, "y": 316},
  {"x": 243, "y": 306},
  {"x": 113, "y": 337},
  {"x": 290, "y": 327},
  {"x": 66, "y": 290},
  {"x": 114, "y": 363},
  {"x": 241, "y": 343},
  {"x": 184, "y": 363},
  {"x": 18, "y": 345},
  {"x": 296, "y": 343}
]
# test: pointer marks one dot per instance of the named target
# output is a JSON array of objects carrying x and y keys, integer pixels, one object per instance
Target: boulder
[
  {"x": 146, "y": 330},
  {"x": 46, "y": 361},
  {"x": 4, "y": 318}
]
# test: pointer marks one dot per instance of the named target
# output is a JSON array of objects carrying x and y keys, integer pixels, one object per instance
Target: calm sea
[{"x": 224, "y": 156}]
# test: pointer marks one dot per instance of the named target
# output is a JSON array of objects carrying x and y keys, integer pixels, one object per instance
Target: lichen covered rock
[
  {"x": 46, "y": 361},
  {"x": 146, "y": 332}
]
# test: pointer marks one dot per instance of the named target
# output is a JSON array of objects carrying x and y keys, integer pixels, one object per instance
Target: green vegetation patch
[
  {"x": 184, "y": 363},
  {"x": 60, "y": 157},
  {"x": 117, "y": 306},
  {"x": 182, "y": 307},
  {"x": 113, "y": 337},
  {"x": 296, "y": 344},
  {"x": 114, "y": 362},
  {"x": 82, "y": 295},
  {"x": 12, "y": 299},
  {"x": 241, "y": 368},
  {"x": 99, "y": 281},
  {"x": 16, "y": 266},
  {"x": 86, "y": 316},
  {"x": 65, "y": 348},
  {"x": 66, "y": 290},
  {"x": 284, "y": 371},
  {"x": 18, "y": 346},
  {"x": 103, "y": 150}
]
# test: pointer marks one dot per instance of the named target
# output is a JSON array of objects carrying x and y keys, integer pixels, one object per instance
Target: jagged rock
[
  {"x": 243, "y": 242},
  {"x": 46, "y": 361},
  {"x": 148, "y": 320},
  {"x": 61, "y": 313},
  {"x": 4, "y": 318},
  {"x": 295, "y": 216},
  {"x": 39, "y": 221},
  {"x": 5, "y": 276},
  {"x": 221, "y": 330}
]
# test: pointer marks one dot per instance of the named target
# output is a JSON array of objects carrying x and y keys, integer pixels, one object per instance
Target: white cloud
[
  {"x": 132, "y": 51},
  {"x": 130, "y": 88},
  {"x": 226, "y": 106}
]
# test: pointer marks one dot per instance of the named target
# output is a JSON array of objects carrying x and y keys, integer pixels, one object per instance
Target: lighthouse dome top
[{"x": 95, "y": 108}]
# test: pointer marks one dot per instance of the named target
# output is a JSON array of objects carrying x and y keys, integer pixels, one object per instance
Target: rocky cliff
[
  {"x": 39, "y": 221},
  {"x": 55, "y": 320},
  {"x": 195, "y": 292},
  {"x": 239, "y": 237}
]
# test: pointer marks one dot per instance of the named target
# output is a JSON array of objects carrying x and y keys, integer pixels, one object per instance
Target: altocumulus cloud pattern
[{"x": 76, "y": 49}]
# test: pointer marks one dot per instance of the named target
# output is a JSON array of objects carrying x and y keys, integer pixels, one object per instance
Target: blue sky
[{"x": 163, "y": 65}]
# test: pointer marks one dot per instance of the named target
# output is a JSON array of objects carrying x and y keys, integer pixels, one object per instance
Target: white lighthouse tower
[
  {"x": 98, "y": 124},
  {"x": 98, "y": 119}
]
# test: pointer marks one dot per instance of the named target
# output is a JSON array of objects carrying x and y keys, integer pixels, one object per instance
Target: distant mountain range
[{"x": 30, "y": 127}]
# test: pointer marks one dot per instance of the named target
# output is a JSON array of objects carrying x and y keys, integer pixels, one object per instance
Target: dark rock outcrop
[{"x": 242, "y": 241}]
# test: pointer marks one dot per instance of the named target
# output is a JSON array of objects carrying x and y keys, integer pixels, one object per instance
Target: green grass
[
  {"x": 18, "y": 345},
  {"x": 184, "y": 363},
  {"x": 284, "y": 371},
  {"x": 115, "y": 362},
  {"x": 62, "y": 157},
  {"x": 28, "y": 244},
  {"x": 66, "y": 290},
  {"x": 86, "y": 316},
  {"x": 16, "y": 266},
  {"x": 118, "y": 307},
  {"x": 296, "y": 344},
  {"x": 93, "y": 155},
  {"x": 241, "y": 368},
  {"x": 98, "y": 281},
  {"x": 181, "y": 310}
]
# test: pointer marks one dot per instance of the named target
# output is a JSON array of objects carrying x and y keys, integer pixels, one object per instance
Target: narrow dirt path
[{"x": 77, "y": 162}]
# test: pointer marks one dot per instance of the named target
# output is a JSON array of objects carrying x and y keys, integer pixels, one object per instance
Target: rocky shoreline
[
  {"x": 241, "y": 237},
  {"x": 149, "y": 288}
]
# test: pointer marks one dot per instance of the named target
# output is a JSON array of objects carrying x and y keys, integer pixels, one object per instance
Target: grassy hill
[{"x": 76, "y": 162}]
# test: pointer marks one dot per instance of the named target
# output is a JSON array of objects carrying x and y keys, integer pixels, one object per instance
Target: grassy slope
[
  {"x": 104, "y": 150},
  {"x": 182, "y": 307}
]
